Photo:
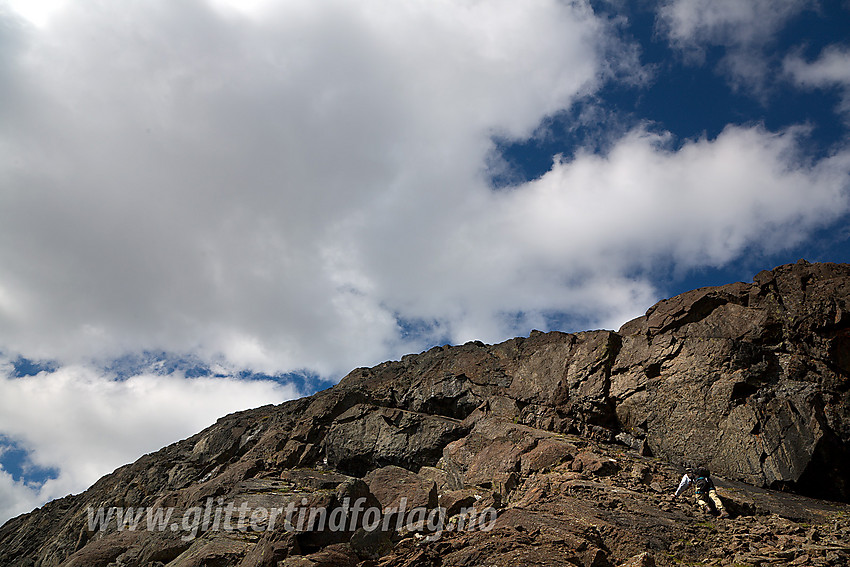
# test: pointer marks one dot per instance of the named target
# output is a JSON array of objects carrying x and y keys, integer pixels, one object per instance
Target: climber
[{"x": 705, "y": 491}]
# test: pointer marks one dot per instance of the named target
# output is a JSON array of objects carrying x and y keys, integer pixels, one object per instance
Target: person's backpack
[{"x": 703, "y": 481}]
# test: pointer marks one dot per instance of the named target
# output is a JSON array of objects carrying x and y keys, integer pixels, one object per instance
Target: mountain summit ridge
[{"x": 750, "y": 379}]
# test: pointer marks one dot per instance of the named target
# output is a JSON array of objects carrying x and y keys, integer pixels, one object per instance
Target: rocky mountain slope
[{"x": 556, "y": 449}]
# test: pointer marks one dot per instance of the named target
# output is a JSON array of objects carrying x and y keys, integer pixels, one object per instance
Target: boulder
[
  {"x": 392, "y": 484},
  {"x": 547, "y": 454},
  {"x": 367, "y": 436},
  {"x": 455, "y": 501},
  {"x": 590, "y": 463}
]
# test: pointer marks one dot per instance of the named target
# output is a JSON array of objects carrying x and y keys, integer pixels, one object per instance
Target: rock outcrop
[
  {"x": 751, "y": 379},
  {"x": 573, "y": 441}
]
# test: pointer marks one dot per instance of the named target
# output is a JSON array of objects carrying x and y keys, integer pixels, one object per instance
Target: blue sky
[{"x": 209, "y": 205}]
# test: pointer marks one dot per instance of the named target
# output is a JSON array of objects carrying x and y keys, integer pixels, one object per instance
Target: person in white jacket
[{"x": 706, "y": 493}]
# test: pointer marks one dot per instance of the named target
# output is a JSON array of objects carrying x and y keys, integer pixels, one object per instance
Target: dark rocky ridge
[{"x": 751, "y": 379}]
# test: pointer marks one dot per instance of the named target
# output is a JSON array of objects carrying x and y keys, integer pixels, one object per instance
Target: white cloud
[
  {"x": 727, "y": 22},
  {"x": 567, "y": 241},
  {"x": 282, "y": 187},
  {"x": 745, "y": 28},
  {"x": 37, "y": 12},
  {"x": 84, "y": 424},
  {"x": 830, "y": 70},
  {"x": 182, "y": 178},
  {"x": 699, "y": 204}
]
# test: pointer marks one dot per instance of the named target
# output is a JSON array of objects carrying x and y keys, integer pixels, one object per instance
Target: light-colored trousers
[{"x": 702, "y": 500}]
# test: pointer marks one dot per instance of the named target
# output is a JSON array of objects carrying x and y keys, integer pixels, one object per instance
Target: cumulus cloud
[
  {"x": 182, "y": 176},
  {"x": 84, "y": 424},
  {"x": 566, "y": 241},
  {"x": 698, "y": 204},
  {"x": 278, "y": 187},
  {"x": 743, "y": 28},
  {"x": 830, "y": 70}
]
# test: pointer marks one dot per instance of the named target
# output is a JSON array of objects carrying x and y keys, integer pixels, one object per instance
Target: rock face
[
  {"x": 751, "y": 379},
  {"x": 573, "y": 440}
]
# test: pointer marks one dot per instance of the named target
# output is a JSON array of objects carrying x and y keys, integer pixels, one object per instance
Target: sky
[{"x": 211, "y": 205}]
